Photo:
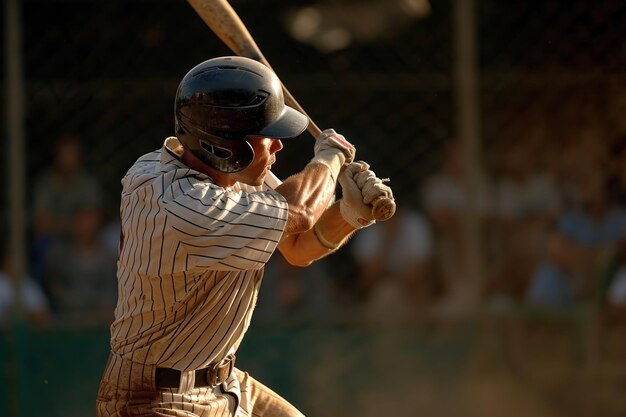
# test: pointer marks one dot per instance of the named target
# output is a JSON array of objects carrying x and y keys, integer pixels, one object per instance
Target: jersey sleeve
[{"x": 223, "y": 228}]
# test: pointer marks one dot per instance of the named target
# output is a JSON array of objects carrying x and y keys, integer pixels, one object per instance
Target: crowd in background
[
  {"x": 72, "y": 255},
  {"x": 553, "y": 230}
]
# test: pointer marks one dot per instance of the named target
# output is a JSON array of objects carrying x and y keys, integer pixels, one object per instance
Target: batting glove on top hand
[
  {"x": 360, "y": 187},
  {"x": 334, "y": 151}
]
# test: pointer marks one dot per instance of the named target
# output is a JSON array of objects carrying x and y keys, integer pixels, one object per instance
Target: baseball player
[{"x": 200, "y": 218}]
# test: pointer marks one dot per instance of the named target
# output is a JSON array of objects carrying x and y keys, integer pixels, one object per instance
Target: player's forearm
[
  {"x": 330, "y": 232},
  {"x": 308, "y": 193}
]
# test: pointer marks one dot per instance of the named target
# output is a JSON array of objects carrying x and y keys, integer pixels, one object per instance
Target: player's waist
[
  {"x": 210, "y": 376},
  {"x": 141, "y": 377}
]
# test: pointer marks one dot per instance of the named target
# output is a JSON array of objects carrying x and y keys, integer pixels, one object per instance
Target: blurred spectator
[
  {"x": 62, "y": 188},
  {"x": 586, "y": 152},
  {"x": 581, "y": 245},
  {"x": 527, "y": 202},
  {"x": 445, "y": 201},
  {"x": 81, "y": 272},
  {"x": 394, "y": 266},
  {"x": 59, "y": 191},
  {"x": 34, "y": 304},
  {"x": 293, "y": 291}
]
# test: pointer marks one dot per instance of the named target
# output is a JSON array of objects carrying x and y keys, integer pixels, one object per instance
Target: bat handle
[{"x": 383, "y": 208}]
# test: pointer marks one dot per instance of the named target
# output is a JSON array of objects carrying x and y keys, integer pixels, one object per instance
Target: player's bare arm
[
  {"x": 339, "y": 221},
  {"x": 303, "y": 248},
  {"x": 309, "y": 194},
  {"x": 310, "y": 191}
]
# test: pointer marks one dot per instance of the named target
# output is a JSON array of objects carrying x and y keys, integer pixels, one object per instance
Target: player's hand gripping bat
[{"x": 226, "y": 24}]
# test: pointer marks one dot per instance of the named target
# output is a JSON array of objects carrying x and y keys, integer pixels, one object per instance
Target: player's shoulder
[
  {"x": 145, "y": 168},
  {"x": 145, "y": 162}
]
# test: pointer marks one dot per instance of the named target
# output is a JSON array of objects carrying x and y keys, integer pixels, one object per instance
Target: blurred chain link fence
[
  {"x": 552, "y": 79},
  {"x": 108, "y": 72}
]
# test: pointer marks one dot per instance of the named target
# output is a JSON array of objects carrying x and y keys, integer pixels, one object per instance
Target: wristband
[
  {"x": 333, "y": 158},
  {"x": 323, "y": 241}
]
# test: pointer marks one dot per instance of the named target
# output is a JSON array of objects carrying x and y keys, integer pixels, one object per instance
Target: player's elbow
[
  {"x": 293, "y": 253},
  {"x": 300, "y": 220}
]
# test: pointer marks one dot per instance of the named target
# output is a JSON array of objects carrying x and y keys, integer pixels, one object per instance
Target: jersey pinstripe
[{"x": 191, "y": 261}]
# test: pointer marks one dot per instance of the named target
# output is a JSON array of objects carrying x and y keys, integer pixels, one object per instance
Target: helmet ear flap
[{"x": 225, "y": 155}]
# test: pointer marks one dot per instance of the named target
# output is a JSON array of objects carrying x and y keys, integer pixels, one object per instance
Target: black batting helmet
[{"x": 223, "y": 101}]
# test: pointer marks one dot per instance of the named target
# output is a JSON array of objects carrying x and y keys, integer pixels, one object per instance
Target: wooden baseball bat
[{"x": 222, "y": 19}]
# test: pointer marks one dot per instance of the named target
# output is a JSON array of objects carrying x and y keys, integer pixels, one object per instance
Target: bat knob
[{"x": 383, "y": 208}]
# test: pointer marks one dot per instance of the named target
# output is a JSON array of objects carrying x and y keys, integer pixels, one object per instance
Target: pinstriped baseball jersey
[{"x": 191, "y": 261}]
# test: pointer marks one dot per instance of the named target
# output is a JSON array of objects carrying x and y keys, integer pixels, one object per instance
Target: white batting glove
[
  {"x": 360, "y": 187},
  {"x": 334, "y": 151},
  {"x": 371, "y": 186}
]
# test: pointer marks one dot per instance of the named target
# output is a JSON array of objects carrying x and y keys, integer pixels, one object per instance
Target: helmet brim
[{"x": 289, "y": 124}]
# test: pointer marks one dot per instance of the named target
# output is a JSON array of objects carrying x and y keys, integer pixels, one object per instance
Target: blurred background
[{"x": 499, "y": 288}]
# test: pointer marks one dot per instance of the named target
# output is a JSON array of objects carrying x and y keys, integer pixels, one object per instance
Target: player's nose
[{"x": 277, "y": 145}]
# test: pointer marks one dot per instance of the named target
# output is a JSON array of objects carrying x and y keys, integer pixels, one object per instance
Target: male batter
[{"x": 200, "y": 218}]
